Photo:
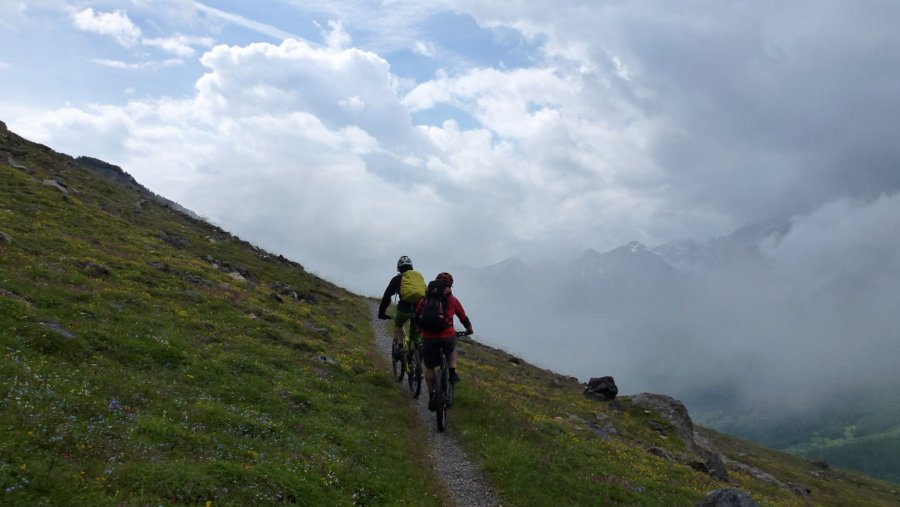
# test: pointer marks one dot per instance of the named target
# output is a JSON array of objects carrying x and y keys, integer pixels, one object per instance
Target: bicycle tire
[
  {"x": 414, "y": 375},
  {"x": 451, "y": 392},
  {"x": 397, "y": 363},
  {"x": 442, "y": 392}
]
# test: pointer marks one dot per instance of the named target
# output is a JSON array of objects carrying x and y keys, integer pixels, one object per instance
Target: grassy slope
[
  {"x": 532, "y": 430},
  {"x": 136, "y": 371}
]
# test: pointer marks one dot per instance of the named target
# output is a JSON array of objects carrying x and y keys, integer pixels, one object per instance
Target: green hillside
[{"x": 149, "y": 358}]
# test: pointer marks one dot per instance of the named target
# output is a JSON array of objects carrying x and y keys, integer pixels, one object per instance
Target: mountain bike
[
  {"x": 408, "y": 362},
  {"x": 444, "y": 390}
]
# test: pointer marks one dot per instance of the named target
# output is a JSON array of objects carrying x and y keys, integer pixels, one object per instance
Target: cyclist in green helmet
[{"x": 410, "y": 286}]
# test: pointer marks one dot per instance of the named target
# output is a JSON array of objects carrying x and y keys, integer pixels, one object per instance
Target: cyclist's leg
[
  {"x": 415, "y": 334},
  {"x": 431, "y": 357},
  {"x": 451, "y": 362},
  {"x": 398, "y": 328},
  {"x": 400, "y": 320}
]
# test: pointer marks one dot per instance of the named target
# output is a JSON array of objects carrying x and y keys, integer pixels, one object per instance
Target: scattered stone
[
  {"x": 55, "y": 184},
  {"x": 284, "y": 289},
  {"x": 715, "y": 466},
  {"x": 173, "y": 239},
  {"x": 662, "y": 453},
  {"x": 199, "y": 280},
  {"x": 13, "y": 295},
  {"x": 604, "y": 429},
  {"x": 115, "y": 406},
  {"x": 659, "y": 428},
  {"x": 141, "y": 205},
  {"x": 311, "y": 327},
  {"x": 800, "y": 490},
  {"x": 240, "y": 270},
  {"x": 757, "y": 474},
  {"x": 6, "y": 238},
  {"x": 95, "y": 269},
  {"x": 729, "y": 497},
  {"x": 57, "y": 328},
  {"x": 515, "y": 360},
  {"x": 275, "y": 297},
  {"x": 162, "y": 266},
  {"x": 237, "y": 276},
  {"x": 602, "y": 388},
  {"x": 327, "y": 360}
]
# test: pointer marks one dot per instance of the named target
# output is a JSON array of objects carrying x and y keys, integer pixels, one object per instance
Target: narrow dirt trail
[{"x": 464, "y": 478}]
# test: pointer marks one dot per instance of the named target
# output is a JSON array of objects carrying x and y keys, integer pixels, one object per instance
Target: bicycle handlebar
[{"x": 460, "y": 334}]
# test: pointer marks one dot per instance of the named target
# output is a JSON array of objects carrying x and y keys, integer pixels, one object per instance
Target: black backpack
[{"x": 434, "y": 315}]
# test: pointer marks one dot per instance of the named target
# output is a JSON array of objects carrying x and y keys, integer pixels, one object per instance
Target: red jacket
[{"x": 454, "y": 307}]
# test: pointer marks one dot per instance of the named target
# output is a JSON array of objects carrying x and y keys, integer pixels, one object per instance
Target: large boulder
[
  {"x": 729, "y": 497},
  {"x": 602, "y": 388},
  {"x": 704, "y": 457},
  {"x": 672, "y": 411}
]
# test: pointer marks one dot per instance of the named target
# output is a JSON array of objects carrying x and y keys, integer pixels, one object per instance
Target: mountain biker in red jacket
[{"x": 434, "y": 342}]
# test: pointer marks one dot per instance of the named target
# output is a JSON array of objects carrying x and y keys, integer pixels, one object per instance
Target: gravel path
[{"x": 464, "y": 478}]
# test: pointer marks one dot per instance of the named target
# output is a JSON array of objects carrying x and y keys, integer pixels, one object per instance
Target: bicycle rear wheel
[
  {"x": 451, "y": 391},
  {"x": 442, "y": 392},
  {"x": 397, "y": 362},
  {"x": 414, "y": 373}
]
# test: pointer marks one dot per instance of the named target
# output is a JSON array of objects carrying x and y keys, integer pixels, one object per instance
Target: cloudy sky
[{"x": 344, "y": 133}]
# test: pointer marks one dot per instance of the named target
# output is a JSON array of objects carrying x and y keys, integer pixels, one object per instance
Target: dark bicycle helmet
[
  {"x": 404, "y": 261},
  {"x": 446, "y": 277}
]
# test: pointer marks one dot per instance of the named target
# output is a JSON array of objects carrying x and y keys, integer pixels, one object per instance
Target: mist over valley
[{"x": 773, "y": 332}]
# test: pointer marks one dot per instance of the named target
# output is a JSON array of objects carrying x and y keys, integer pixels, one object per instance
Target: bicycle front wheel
[
  {"x": 397, "y": 361},
  {"x": 414, "y": 375}
]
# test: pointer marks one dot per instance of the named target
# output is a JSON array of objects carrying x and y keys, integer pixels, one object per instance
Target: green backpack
[{"x": 412, "y": 286}]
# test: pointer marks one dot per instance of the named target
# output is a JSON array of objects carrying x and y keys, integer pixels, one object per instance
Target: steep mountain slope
[
  {"x": 147, "y": 357},
  {"x": 150, "y": 358}
]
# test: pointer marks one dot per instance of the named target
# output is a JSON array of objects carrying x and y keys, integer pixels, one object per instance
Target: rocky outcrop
[
  {"x": 702, "y": 456},
  {"x": 729, "y": 497},
  {"x": 673, "y": 411}
]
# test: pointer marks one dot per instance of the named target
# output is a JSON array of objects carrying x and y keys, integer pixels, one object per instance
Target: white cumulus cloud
[{"x": 113, "y": 24}]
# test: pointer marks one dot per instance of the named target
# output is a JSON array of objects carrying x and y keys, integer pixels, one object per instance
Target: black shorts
[{"x": 431, "y": 350}]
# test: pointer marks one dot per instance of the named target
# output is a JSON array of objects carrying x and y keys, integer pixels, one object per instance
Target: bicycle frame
[{"x": 409, "y": 363}]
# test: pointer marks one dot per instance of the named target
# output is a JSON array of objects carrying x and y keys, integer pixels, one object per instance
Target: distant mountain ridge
[{"x": 692, "y": 317}]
